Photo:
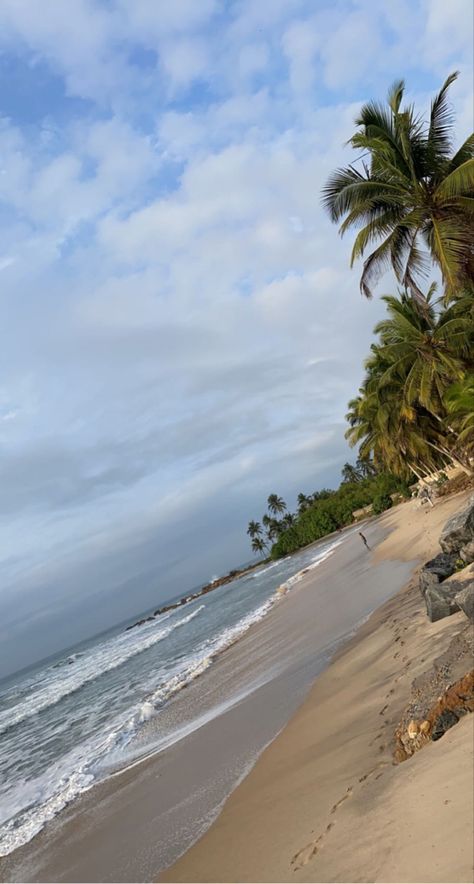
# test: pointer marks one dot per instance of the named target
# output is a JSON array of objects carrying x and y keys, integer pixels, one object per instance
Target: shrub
[{"x": 381, "y": 503}]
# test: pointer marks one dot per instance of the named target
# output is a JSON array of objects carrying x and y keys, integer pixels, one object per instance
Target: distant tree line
[{"x": 322, "y": 512}]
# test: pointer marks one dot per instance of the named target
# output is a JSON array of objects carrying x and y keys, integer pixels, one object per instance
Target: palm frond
[
  {"x": 395, "y": 95},
  {"x": 459, "y": 182},
  {"x": 374, "y": 266},
  {"x": 439, "y": 141},
  {"x": 465, "y": 152}
]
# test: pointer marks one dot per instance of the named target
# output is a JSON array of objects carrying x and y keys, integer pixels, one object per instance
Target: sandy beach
[{"x": 325, "y": 802}]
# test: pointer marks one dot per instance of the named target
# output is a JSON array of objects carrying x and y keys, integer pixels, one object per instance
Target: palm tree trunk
[{"x": 453, "y": 458}]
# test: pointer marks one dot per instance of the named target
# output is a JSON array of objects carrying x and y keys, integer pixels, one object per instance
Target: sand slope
[{"x": 325, "y": 802}]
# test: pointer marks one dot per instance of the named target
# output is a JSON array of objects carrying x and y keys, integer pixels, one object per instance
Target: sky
[{"x": 181, "y": 331}]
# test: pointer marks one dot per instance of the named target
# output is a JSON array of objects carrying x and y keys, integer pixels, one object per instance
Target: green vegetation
[
  {"x": 381, "y": 503},
  {"x": 415, "y": 191},
  {"x": 412, "y": 196},
  {"x": 414, "y": 411},
  {"x": 414, "y": 414},
  {"x": 326, "y": 511}
]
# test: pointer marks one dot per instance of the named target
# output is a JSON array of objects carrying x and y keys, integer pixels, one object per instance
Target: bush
[{"x": 381, "y": 503}]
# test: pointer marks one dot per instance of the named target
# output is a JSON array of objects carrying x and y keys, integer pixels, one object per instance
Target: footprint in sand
[
  {"x": 307, "y": 853},
  {"x": 373, "y": 770},
  {"x": 303, "y": 857},
  {"x": 341, "y": 800}
]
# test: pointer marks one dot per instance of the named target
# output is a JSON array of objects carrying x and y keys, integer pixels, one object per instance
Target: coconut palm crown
[{"x": 411, "y": 194}]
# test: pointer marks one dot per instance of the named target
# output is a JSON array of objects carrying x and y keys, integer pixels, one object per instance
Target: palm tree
[
  {"x": 428, "y": 350},
  {"x": 394, "y": 436},
  {"x": 399, "y": 417},
  {"x": 258, "y": 546},
  {"x": 350, "y": 473},
  {"x": 416, "y": 192},
  {"x": 276, "y": 504},
  {"x": 303, "y": 502},
  {"x": 254, "y": 529},
  {"x": 459, "y": 400},
  {"x": 366, "y": 468}
]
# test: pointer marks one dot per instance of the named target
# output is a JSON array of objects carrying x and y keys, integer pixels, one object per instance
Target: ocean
[{"x": 75, "y": 720}]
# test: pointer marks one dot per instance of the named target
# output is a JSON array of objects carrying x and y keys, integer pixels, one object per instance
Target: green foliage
[
  {"x": 415, "y": 407},
  {"x": 413, "y": 199},
  {"x": 381, "y": 503},
  {"x": 334, "y": 510},
  {"x": 459, "y": 400}
]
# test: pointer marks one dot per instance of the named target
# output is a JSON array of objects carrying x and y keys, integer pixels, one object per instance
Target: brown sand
[{"x": 325, "y": 802}]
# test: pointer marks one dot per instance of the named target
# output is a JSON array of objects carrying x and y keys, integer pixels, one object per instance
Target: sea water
[{"x": 75, "y": 720}]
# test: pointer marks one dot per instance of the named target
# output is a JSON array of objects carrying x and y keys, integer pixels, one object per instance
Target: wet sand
[
  {"x": 325, "y": 801},
  {"x": 140, "y": 821}
]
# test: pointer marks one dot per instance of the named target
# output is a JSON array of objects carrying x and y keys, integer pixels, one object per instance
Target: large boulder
[
  {"x": 465, "y": 600},
  {"x": 466, "y": 553},
  {"x": 440, "y": 603},
  {"x": 436, "y": 570},
  {"x": 459, "y": 530}
]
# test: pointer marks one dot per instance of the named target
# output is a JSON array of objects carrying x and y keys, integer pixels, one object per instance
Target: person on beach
[{"x": 364, "y": 540}]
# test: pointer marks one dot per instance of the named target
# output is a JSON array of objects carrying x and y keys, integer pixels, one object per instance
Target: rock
[
  {"x": 443, "y": 565},
  {"x": 428, "y": 580},
  {"x": 442, "y": 724},
  {"x": 400, "y": 755},
  {"x": 459, "y": 530},
  {"x": 466, "y": 553},
  {"x": 436, "y": 570},
  {"x": 463, "y": 576},
  {"x": 425, "y": 727},
  {"x": 465, "y": 600},
  {"x": 412, "y": 729},
  {"x": 439, "y": 603}
]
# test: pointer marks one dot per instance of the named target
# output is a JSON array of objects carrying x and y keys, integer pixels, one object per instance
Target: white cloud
[
  {"x": 183, "y": 324},
  {"x": 184, "y": 61}
]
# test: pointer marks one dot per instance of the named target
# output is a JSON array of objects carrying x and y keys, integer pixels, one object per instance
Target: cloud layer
[{"x": 181, "y": 332}]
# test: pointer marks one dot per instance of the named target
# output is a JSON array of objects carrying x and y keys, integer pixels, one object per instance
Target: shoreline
[
  {"x": 118, "y": 830},
  {"x": 125, "y": 828},
  {"x": 325, "y": 802}
]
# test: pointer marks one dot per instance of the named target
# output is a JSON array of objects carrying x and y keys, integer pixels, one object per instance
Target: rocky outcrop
[
  {"x": 219, "y": 581},
  {"x": 465, "y": 600},
  {"x": 466, "y": 553},
  {"x": 441, "y": 580},
  {"x": 440, "y": 602},
  {"x": 436, "y": 570},
  {"x": 459, "y": 530},
  {"x": 456, "y": 701}
]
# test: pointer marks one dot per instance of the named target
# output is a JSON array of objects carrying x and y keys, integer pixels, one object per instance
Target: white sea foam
[
  {"x": 114, "y": 652},
  {"x": 29, "y": 804},
  {"x": 296, "y": 578}
]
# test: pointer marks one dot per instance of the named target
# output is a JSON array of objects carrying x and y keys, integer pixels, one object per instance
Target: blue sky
[{"x": 181, "y": 331}]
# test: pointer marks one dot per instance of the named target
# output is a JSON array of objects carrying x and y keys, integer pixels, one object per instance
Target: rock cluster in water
[{"x": 219, "y": 581}]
